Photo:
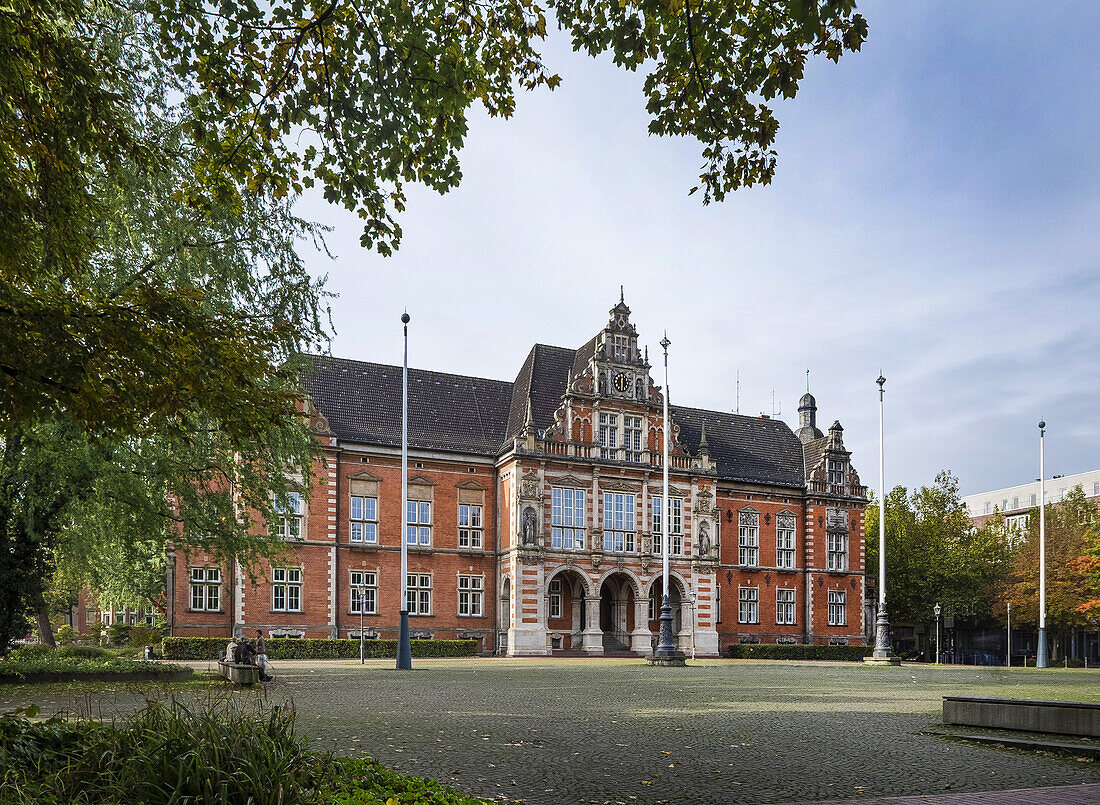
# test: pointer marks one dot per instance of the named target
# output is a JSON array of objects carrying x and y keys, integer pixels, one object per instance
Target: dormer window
[
  {"x": 836, "y": 472},
  {"x": 621, "y": 348}
]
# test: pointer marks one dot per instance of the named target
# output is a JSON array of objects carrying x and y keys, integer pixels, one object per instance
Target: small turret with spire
[{"x": 807, "y": 416}]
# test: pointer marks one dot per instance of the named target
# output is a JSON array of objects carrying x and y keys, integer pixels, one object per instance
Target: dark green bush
[
  {"x": 118, "y": 633},
  {"x": 33, "y": 651},
  {"x": 17, "y": 667},
  {"x": 222, "y": 753},
  {"x": 145, "y": 636},
  {"x": 83, "y": 652},
  {"x": 212, "y": 648},
  {"x": 798, "y": 651}
]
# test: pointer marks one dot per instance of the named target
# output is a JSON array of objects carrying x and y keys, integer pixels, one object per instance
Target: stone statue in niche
[
  {"x": 529, "y": 527},
  {"x": 704, "y": 540}
]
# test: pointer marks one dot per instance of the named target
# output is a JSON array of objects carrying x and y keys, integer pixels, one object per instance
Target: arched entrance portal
[
  {"x": 681, "y": 614},
  {"x": 617, "y": 612},
  {"x": 565, "y": 611}
]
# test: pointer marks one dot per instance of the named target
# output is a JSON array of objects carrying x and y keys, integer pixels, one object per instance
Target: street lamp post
[
  {"x": 404, "y": 647},
  {"x": 666, "y": 652},
  {"x": 883, "y": 654},
  {"x": 936, "y": 609},
  {"x": 1008, "y": 640},
  {"x": 1041, "y": 654}
]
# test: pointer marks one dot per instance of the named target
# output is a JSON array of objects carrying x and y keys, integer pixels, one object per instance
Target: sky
[{"x": 935, "y": 216}]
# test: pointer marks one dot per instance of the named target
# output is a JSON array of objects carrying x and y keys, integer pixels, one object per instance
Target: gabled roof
[
  {"x": 362, "y": 403},
  {"x": 542, "y": 379},
  {"x": 744, "y": 448}
]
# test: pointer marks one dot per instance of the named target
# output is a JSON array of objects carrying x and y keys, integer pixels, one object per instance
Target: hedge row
[
  {"x": 279, "y": 648},
  {"x": 798, "y": 651}
]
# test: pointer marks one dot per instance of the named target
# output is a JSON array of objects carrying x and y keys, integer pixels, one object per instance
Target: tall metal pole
[
  {"x": 937, "y": 610},
  {"x": 883, "y": 654},
  {"x": 1041, "y": 654},
  {"x": 361, "y": 645},
  {"x": 404, "y": 647},
  {"x": 1008, "y": 642},
  {"x": 666, "y": 646}
]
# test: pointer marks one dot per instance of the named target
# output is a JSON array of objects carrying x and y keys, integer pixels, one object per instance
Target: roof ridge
[{"x": 398, "y": 367}]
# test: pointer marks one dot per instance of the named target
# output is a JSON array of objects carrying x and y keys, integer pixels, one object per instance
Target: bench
[
  {"x": 238, "y": 673},
  {"x": 1027, "y": 715}
]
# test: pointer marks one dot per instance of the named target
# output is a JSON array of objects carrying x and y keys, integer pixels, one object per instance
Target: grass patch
[{"x": 166, "y": 752}]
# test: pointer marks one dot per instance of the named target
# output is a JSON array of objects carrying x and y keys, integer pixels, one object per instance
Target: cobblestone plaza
[{"x": 719, "y": 731}]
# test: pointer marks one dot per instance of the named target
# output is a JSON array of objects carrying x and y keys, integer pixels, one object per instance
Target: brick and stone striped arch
[
  {"x": 635, "y": 582},
  {"x": 672, "y": 576},
  {"x": 586, "y": 583}
]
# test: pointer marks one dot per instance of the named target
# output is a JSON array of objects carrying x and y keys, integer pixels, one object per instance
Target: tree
[
  {"x": 363, "y": 97},
  {"x": 933, "y": 556},
  {"x": 1071, "y": 533}
]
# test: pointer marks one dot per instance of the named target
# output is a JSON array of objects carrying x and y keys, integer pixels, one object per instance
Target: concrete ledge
[
  {"x": 1025, "y": 715},
  {"x": 674, "y": 661},
  {"x": 239, "y": 674}
]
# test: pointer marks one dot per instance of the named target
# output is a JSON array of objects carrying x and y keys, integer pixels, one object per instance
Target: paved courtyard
[{"x": 596, "y": 731}]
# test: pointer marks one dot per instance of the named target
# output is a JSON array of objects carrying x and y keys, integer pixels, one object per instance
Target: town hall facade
[{"x": 535, "y": 516}]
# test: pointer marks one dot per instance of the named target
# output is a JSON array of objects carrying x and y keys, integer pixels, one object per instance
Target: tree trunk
[{"x": 45, "y": 631}]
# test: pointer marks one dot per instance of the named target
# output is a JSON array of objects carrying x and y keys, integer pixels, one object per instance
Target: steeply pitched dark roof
[
  {"x": 362, "y": 403},
  {"x": 744, "y": 448},
  {"x": 583, "y": 355},
  {"x": 813, "y": 451},
  {"x": 542, "y": 379}
]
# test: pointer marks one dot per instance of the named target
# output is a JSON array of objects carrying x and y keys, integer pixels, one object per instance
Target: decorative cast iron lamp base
[{"x": 666, "y": 652}]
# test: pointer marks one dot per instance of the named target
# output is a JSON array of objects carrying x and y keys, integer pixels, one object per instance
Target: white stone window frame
[
  {"x": 748, "y": 538},
  {"x": 838, "y": 607},
  {"x": 471, "y": 595},
  {"x": 419, "y": 594},
  {"x": 289, "y": 522},
  {"x": 608, "y": 431},
  {"x": 567, "y": 518},
  {"x": 748, "y": 605},
  {"x": 470, "y": 525},
  {"x": 286, "y": 589},
  {"x": 676, "y": 527},
  {"x": 836, "y": 551},
  {"x": 785, "y": 609},
  {"x": 368, "y": 581},
  {"x": 554, "y": 609},
  {"x": 633, "y": 430},
  {"x": 419, "y": 524},
  {"x": 620, "y": 522},
  {"x": 366, "y": 523},
  {"x": 838, "y": 471},
  {"x": 207, "y": 582},
  {"x": 786, "y": 535}
]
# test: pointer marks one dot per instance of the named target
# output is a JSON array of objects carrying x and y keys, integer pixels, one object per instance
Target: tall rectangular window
[
  {"x": 469, "y": 526},
  {"x": 748, "y": 539},
  {"x": 555, "y": 598},
  {"x": 419, "y": 593},
  {"x": 618, "y": 521},
  {"x": 567, "y": 518},
  {"x": 419, "y": 529},
  {"x": 838, "y": 614},
  {"x": 364, "y": 519},
  {"x": 364, "y": 592},
  {"x": 675, "y": 526},
  {"x": 622, "y": 345},
  {"x": 609, "y": 435},
  {"x": 206, "y": 589},
  {"x": 288, "y": 523},
  {"x": 632, "y": 437},
  {"x": 470, "y": 589},
  {"x": 836, "y": 472},
  {"x": 1015, "y": 502},
  {"x": 748, "y": 605},
  {"x": 836, "y": 551},
  {"x": 784, "y": 607},
  {"x": 286, "y": 589},
  {"x": 784, "y": 541},
  {"x": 1033, "y": 499}
]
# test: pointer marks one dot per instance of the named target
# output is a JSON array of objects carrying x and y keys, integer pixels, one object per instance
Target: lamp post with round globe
[{"x": 1041, "y": 653}]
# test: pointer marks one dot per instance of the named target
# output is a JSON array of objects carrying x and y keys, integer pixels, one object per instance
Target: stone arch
[
  {"x": 586, "y": 582},
  {"x": 673, "y": 575},
  {"x": 635, "y": 583}
]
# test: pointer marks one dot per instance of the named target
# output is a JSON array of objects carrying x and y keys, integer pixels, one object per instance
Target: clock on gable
[{"x": 622, "y": 382}]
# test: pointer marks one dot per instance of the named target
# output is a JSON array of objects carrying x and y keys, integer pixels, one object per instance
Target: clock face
[{"x": 622, "y": 383}]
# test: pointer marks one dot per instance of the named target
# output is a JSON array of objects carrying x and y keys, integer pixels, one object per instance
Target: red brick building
[{"x": 535, "y": 515}]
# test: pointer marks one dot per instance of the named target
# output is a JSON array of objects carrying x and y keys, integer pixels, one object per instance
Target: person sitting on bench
[{"x": 231, "y": 651}]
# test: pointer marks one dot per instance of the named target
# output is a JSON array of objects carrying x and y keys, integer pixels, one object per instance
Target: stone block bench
[
  {"x": 1027, "y": 715},
  {"x": 238, "y": 673}
]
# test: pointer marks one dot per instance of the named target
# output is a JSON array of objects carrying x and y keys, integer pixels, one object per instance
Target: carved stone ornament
[
  {"x": 620, "y": 563},
  {"x": 704, "y": 540},
  {"x": 597, "y": 558},
  {"x": 703, "y": 504},
  {"x": 647, "y": 560},
  {"x": 530, "y": 558},
  {"x": 836, "y": 520},
  {"x": 529, "y": 487}
]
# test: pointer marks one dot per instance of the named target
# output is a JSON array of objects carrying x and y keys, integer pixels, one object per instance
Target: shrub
[
  {"x": 118, "y": 634},
  {"x": 212, "y": 648},
  {"x": 145, "y": 636},
  {"x": 66, "y": 635},
  {"x": 83, "y": 652},
  {"x": 170, "y": 753},
  {"x": 800, "y": 651},
  {"x": 33, "y": 651},
  {"x": 57, "y": 664}
]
